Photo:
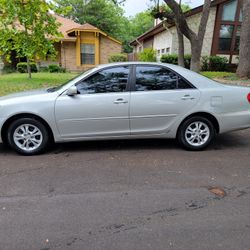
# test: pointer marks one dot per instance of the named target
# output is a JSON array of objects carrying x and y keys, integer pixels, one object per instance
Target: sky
[{"x": 132, "y": 7}]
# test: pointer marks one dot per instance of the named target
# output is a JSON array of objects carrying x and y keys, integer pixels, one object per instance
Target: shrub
[
  {"x": 118, "y": 58},
  {"x": 22, "y": 67},
  {"x": 7, "y": 69},
  {"x": 173, "y": 59},
  {"x": 218, "y": 63},
  {"x": 44, "y": 69},
  {"x": 54, "y": 68},
  {"x": 214, "y": 63},
  {"x": 147, "y": 55},
  {"x": 205, "y": 63}
]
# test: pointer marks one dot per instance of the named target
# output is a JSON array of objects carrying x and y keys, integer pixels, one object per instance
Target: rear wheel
[
  {"x": 28, "y": 136},
  {"x": 196, "y": 133}
]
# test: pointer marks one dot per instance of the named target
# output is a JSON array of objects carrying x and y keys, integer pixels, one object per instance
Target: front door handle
[
  {"x": 187, "y": 97},
  {"x": 120, "y": 100}
]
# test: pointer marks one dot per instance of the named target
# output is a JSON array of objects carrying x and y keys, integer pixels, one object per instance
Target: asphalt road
[{"x": 127, "y": 195}]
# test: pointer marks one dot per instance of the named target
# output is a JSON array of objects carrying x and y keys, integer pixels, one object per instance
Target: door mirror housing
[{"x": 72, "y": 91}]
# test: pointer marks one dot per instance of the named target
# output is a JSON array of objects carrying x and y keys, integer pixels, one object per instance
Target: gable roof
[
  {"x": 160, "y": 27},
  {"x": 68, "y": 26}
]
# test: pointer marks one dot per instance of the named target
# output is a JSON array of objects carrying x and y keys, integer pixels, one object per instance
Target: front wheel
[
  {"x": 28, "y": 136},
  {"x": 196, "y": 133}
]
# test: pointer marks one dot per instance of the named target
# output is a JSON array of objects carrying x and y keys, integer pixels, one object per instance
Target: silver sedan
[{"x": 125, "y": 101}]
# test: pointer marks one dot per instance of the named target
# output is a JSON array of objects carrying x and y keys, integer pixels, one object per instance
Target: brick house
[
  {"x": 81, "y": 47},
  {"x": 221, "y": 38}
]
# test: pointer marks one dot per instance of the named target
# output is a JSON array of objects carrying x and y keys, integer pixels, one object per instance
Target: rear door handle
[
  {"x": 120, "y": 100},
  {"x": 187, "y": 97}
]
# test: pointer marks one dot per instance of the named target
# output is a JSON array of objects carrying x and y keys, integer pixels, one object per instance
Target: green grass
[
  {"x": 217, "y": 75},
  {"x": 16, "y": 82}
]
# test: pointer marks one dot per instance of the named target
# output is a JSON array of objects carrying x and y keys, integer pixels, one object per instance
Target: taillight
[{"x": 248, "y": 97}]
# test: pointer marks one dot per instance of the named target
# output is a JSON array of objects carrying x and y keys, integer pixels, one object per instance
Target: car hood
[{"x": 24, "y": 94}]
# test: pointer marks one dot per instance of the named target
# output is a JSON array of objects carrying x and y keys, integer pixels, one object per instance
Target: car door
[
  {"x": 100, "y": 108},
  {"x": 158, "y": 98}
]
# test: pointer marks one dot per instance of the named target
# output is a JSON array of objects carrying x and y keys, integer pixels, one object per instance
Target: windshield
[{"x": 53, "y": 89}]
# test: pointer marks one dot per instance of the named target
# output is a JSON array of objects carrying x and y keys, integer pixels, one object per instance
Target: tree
[
  {"x": 196, "y": 40},
  {"x": 165, "y": 13},
  {"x": 243, "y": 69},
  {"x": 104, "y": 14},
  {"x": 108, "y": 16},
  {"x": 136, "y": 26},
  {"x": 28, "y": 28}
]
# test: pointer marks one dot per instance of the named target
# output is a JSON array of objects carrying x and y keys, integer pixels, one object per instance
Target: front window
[
  {"x": 88, "y": 54},
  {"x": 105, "y": 81}
]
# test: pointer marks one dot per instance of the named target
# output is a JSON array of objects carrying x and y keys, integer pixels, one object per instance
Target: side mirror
[{"x": 72, "y": 91}]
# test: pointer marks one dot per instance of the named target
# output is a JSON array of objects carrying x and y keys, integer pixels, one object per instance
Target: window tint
[
  {"x": 183, "y": 84},
  {"x": 154, "y": 78},
  {"x": 158, "y": 78},
  {"x": 105, "y": 81}
]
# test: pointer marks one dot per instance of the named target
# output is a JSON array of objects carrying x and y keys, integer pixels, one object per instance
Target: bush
[
  {"x": 7, "y": 69},
  {"x": 205, "y": 63},
  {"x": 22, "y": 67},
  {"x": 147, "y": 55},
  {"x": 218, "y": 63},
  {"x": 43, "y": 69},
  {"x": 118, "y": 58},
  {"x": 173, "y": 59},
  {"x": 214, "y": 63},
  {"x": 54, "y": 68}
]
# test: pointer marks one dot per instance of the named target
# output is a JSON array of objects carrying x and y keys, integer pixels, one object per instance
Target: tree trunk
[
  {"x": 243, "y": 69},
  {"x": 28, "y": 67},
  {"x": 196, "y": 40},
  {"x": 196, "y": 48},
  {"x": 180, "y": 48}
]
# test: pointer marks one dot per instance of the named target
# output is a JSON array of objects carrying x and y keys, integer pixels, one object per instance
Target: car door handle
[
  {"x": 187, "y": 97},
  {"x": 120, "y": 100}
]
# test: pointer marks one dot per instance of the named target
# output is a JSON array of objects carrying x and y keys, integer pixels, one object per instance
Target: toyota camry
[{"x": 125, "y": 101}]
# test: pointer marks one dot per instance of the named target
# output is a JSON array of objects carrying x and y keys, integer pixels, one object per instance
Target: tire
[
  {"x": 196, "y": 133},
  {"x": 28, "y": 136}
]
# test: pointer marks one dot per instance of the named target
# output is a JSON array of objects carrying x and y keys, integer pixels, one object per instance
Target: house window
[
  {"x": 87, "y": 53},
  {"x": 167, "y": 50},
  {"x": 163, "y": 51},
  {"x": 229, "y": 11},
  {"x": 225, "y": 40},
  {"x": 227, "y": 30},
  {"x": 158, "y": 52}
]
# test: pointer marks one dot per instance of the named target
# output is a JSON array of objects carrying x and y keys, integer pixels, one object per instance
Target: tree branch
[{"x": 180, "y": 19}]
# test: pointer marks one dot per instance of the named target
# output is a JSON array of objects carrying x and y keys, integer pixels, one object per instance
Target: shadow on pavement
[{"x": 224, "y": 141}]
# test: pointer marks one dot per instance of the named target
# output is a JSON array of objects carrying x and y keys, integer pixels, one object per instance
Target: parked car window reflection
[
  {"x": 158, "y": 78},
  {"x": 155, "y": 78},
  {"x": 105, "y": 81}
]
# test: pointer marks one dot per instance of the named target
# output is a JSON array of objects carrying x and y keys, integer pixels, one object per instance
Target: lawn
[{"x": 15, "y": 82}]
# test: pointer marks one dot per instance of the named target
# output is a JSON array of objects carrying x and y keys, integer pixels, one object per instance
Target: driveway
[{"x": 127, "y": 195}]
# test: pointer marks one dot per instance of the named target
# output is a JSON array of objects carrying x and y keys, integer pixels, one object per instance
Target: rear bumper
[{"x": 234, "y": 121}]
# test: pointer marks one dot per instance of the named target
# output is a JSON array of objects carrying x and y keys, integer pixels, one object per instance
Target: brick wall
[{"x": 108, "y": 48}]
